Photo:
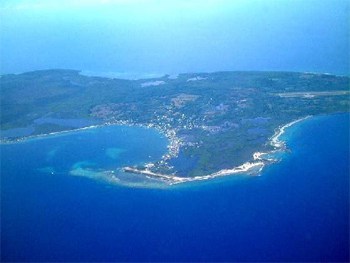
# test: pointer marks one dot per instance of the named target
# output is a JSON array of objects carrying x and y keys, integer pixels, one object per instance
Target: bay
[{"x": 297, "y": 210}]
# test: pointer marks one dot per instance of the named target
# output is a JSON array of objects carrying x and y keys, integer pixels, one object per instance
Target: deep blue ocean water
[{"x": 298, "y": 210}]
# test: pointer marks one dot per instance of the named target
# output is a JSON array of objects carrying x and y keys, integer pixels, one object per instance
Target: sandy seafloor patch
[{"x": 297, "y": 210}]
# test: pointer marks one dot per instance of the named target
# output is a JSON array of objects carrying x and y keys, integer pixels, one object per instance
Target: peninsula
[{"x": 217, "y": 123}]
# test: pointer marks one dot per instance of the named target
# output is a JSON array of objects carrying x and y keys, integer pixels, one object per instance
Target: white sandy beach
[{"x": 253, "y": 168}]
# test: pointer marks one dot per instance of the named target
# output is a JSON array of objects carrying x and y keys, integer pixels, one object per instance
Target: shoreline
[
  {"x": 252, "y": 167},
  {"x": 169, "y": 134},
  {"x": 275, "y": 139},
  {"x": 44, "y": 135},
  {"x": 173, "y": 179}
]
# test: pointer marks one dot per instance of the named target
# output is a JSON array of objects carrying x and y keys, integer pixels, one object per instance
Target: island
[{"x": 217, "y": 123}]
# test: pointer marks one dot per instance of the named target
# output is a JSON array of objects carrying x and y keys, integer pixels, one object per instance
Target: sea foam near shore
[{"x": 254, "y": 167}]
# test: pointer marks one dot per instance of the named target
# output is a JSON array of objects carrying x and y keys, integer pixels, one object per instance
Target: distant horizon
[
  {"x": 153, "y": 36},
  {"x": 157, "y": 75}
]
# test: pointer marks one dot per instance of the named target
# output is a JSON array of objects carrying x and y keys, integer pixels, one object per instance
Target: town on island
[{"x": 222, "y": 123}]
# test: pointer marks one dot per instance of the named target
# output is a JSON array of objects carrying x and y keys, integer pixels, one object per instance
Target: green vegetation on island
[{"x": 214, "y": 120}]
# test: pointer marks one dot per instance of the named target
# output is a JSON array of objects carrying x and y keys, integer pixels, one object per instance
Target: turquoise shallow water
[{"x": 296, "y": 211}]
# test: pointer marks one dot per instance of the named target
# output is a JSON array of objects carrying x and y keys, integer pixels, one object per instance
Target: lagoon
[{"x": 296, "y": 210}]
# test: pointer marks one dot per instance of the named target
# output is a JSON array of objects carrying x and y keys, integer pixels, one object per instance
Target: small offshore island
[{"x": 218, "y": 124}]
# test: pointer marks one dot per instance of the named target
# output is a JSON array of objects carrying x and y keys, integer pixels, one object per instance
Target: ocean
[
  {"x": 297, "y": 210},
  {"x": 131, "y": 39}
]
